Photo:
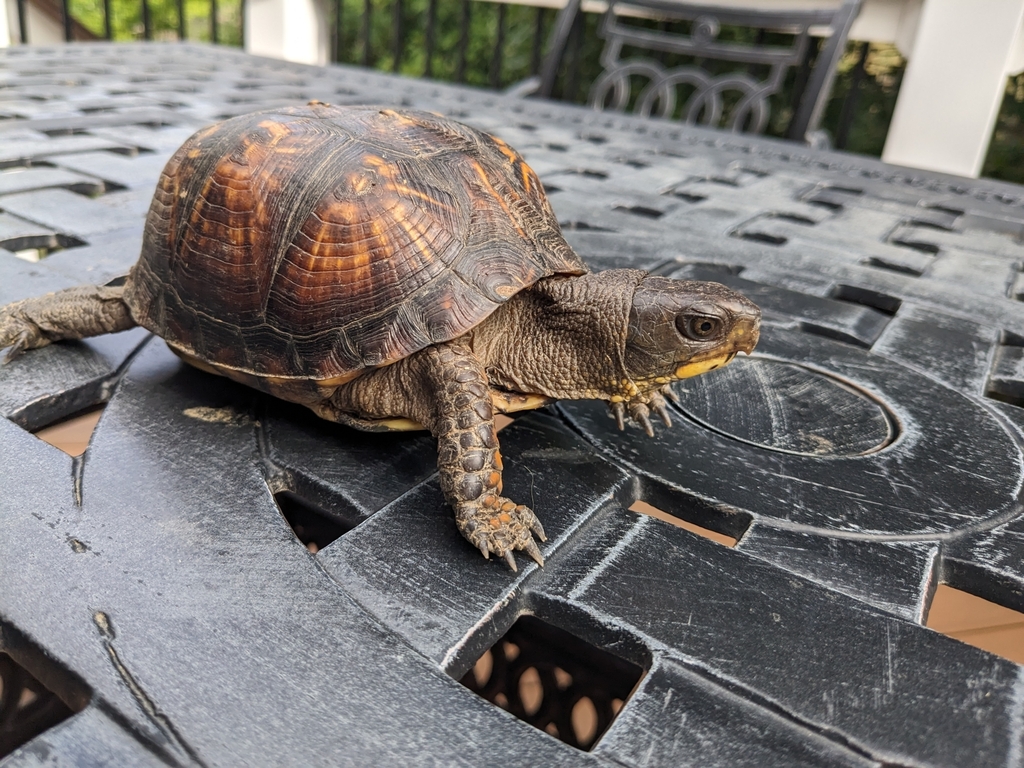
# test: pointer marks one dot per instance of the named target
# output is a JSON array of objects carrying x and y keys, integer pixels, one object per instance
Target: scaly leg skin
[
  {"x": 469, "y": 460},
  {"x": 74, "y": 313}
]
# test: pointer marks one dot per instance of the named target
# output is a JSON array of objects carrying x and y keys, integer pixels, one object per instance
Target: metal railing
[
  {"x": 471, "y": 27},
  {"x": 479, "y": 42},
  {"x": 133, "y": 19}
]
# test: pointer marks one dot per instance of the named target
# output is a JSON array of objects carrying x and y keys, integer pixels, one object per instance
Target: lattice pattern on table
[{"x": 884, "y": 456}]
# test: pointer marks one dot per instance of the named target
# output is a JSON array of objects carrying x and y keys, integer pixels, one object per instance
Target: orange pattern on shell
[{"x": 315, "y": 242}]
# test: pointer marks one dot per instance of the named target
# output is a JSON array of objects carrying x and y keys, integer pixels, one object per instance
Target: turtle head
[
  {"x": 681, "y": 328},
  {"x": 619, "y": 335}
]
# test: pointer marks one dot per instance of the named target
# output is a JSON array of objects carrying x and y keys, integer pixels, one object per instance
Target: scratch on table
[
  {"x": 838, "y": 489},
  {"x": 1015, "y": 754},
  {"x": 486, "y": 619},
  {"x": 158, "y": 718},
  {"x": 588, "y": 581},
  {"x": 106, "y": 391},
  {"x": 888, "y": 657}
]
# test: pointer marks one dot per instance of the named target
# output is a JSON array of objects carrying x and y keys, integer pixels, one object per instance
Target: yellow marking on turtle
[
  {"x": 277, "y": 130},
  {"x": 512, "y": 402},
  {"x": 528, "y": 176},
  {"x": 381, "y": 165},
  {"x": 405, "y": 189},
  {"x": 399, "y": 116},
  {"x": 400, "y": 425},
  {"x": 298, "y": 389},
  {"x": 494, "y": 194},
  {"x": 390, "y": 172},
  {"x": 505, "y": 149},
  {"x": 360, "y": 182},
  {"x": 357, "y": 253},
  {"x": 415, "y": 233},
  {"x": 379, "y": 236},
  {"x": 525, "y": 171},
  {"x": 688, "y": 370}
]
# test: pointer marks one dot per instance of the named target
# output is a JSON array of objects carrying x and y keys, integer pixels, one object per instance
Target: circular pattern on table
[
  {"x": 788, "y": 408},
  {"x": 953, "y": 464}
]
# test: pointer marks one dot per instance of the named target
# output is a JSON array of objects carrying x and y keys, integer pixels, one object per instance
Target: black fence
[
  {"x": 480, "y": 42},
  {"x": 477, "y": 42},
  {"x": 136, "y": 20}
]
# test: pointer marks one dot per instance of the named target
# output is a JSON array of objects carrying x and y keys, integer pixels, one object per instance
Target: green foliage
[
  {"x": 1005, "y": 159},
  {"x": 876, "y": 87},
  {"x": 874, "y": 100},
  {"x": 126, "y": 19},
  {"x": 479, "y": 21},
  {"x": 465, "y": 43}
]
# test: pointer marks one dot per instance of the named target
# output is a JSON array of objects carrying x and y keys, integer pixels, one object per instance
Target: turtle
[{"x": 394, "y": 269}]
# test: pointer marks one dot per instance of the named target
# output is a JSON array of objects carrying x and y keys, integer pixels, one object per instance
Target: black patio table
[{"x": 869, "y": 450}]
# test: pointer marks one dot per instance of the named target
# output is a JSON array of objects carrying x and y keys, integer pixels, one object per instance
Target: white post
[
  {"x": 7, "y": 22},
  {"x": 954, "y": 85},
  {"x": 293, "y": 30}
]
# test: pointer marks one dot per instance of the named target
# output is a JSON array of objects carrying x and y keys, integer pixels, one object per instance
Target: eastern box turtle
[{"x": 395, "y": 270}]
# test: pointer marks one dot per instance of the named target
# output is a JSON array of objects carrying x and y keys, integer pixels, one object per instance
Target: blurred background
[{"x": 496, "y": 45}]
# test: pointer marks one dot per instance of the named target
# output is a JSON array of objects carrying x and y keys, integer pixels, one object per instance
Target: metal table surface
[{"x": 871, "y": 449}]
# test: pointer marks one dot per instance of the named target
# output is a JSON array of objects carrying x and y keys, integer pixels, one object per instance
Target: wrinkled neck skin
[{"x": 564, "y": 338}]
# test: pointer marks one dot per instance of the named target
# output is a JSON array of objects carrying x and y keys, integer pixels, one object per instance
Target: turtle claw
[
  {"x": 20, "y": 333},
  {"x": 670, "y": 394},
  {"x": 495, "y": 525},
  {"x": 641, "y": 415},
  {"x": 618, "y": 410},
  {"x": 533, "y": 551},
  {"x": 538, "y": 529},
  {"x": 660, "y": 407},
  {"x": 17, "y": 349}
]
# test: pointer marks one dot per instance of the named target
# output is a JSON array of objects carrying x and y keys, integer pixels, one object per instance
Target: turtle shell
[{"x": 316, "y": 242}]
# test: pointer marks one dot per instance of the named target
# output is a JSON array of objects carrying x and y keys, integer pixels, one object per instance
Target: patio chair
[{"x": 692, "y": 72}]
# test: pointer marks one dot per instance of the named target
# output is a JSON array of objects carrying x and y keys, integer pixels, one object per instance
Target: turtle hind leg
[{"x": 74, "y": 313}]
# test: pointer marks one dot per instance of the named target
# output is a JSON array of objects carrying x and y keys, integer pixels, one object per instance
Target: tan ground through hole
[
  {"x": 643, "y": 508},
  {"x": 978, "y": 622},
  {"x": 501, "y": 421},
  {"x": 72, "y": 435}
]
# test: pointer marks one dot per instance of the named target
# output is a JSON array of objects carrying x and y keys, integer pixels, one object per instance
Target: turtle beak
[{"x": 746, "y": 328}]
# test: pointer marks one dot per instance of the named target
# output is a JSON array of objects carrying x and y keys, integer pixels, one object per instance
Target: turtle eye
[{"x": 698, "y": 327}]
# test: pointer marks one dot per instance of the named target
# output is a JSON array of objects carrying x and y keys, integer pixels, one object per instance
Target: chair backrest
[{"x": 714, "y": 81}]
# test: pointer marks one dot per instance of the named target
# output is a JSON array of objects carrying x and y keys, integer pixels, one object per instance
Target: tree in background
[
  {"x": 489, "y": 44},
  {"x": 126, "y": 19},
  {"x": 1005, "y": 159}
]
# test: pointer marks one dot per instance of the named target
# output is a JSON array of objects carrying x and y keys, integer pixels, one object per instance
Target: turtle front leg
[
  {"x": 74, "y": 313},
  {"x": 469, "y": 458}
]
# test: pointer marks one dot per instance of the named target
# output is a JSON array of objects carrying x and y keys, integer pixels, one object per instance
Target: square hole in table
[
  {"x": 554, "y": 681},
  {"x": 643, "y": 508},
  {"x": 978, "y": 622},
  {"x": 313, "y": 526},
  {"x": 27, "y": 707},
  {"x": 73, "y": 433}
]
